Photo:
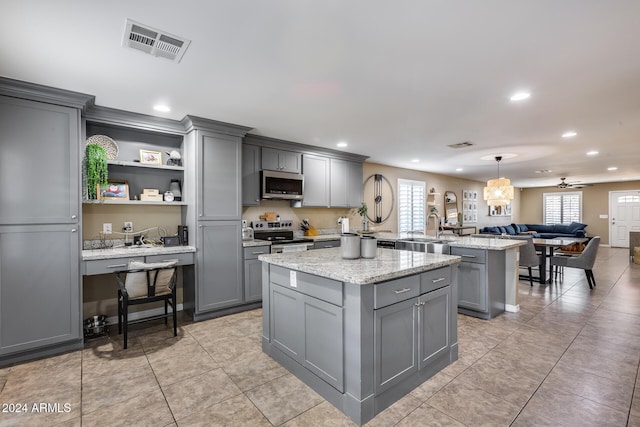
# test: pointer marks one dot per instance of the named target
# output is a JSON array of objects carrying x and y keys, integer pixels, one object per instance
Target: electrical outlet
[
  {"x": 107, "y": 228},
  {"x": 128, "y": 227}
]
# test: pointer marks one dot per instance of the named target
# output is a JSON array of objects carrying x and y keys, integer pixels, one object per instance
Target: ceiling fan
[{"x": 563, "y": 184}]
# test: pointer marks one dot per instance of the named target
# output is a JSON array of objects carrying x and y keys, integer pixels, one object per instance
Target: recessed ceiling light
[
  {"x": 569, "y": 134},
  {"x": 162, "y": 108},
  {"x": 520, "y": 96},
  {"x": 342, "y": 144},
  {"x": 592, "y": 153},
  {"x": 612, "y": 168},
  {"x": 415, "y": 160},
  {"x": 459, "y": 169}
]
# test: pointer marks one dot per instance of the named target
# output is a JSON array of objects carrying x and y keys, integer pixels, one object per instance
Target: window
[
  {"x": 411, "y": 205},
  {"x": 562, "y": 208}
]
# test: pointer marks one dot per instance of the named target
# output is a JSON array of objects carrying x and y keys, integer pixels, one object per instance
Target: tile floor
[{"x": 570, "y": 357}]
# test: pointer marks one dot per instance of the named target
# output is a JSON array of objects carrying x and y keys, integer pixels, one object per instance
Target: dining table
[{"x": 547, "y": 247}]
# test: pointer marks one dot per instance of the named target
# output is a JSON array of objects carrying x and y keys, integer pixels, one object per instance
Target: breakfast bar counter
[{"x": 360, "y": 332}]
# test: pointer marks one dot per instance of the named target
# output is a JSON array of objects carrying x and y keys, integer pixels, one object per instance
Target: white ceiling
[{"x": 396, "y": 80}]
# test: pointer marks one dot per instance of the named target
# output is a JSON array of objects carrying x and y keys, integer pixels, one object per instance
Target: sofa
[{"x": 543, "y": 231}]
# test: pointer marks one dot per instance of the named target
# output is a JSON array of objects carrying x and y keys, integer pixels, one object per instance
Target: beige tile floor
[{"x": 570, "y": 357}]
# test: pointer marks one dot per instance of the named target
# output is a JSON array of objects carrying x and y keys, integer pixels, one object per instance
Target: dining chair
[
  {"x": 145, "y": 283},
  {"x": 529, "y": 258},
  {"x": 584, "y": 261}
]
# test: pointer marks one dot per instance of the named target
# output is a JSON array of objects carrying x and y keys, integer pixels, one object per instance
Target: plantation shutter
[
  {"x": 562, "y": 208},
  {"x": 411, "y": 205}
]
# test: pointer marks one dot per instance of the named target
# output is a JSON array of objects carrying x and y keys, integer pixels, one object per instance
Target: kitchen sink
[{"x": 421, "y": 244}]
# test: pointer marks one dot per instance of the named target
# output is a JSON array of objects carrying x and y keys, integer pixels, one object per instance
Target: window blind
[
  {"x": 562, "y": 208},
  {"x": 411, "y": 205}
]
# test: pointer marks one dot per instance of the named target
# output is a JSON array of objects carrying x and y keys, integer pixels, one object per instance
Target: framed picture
[
  {"x": 151, "y": 157},
  {"x": 114, "y": 190}
]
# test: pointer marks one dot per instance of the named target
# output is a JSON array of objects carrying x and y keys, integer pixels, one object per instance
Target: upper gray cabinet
[
  {"x": 346, "y": 183},
  {"x": 281, "y": 160},
  {"x": 250, "y": 175},
  {"x": 316, "y": 181},
  {"x": 39, "y": 146}
]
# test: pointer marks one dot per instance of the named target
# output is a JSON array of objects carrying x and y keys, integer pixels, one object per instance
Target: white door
[{"x": 625, "y": 216}]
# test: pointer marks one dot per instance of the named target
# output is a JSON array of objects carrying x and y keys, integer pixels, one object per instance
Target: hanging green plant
[{"x": 96, "y": 169}]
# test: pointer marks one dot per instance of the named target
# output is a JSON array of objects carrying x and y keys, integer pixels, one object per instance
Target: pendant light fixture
[{"x": 499, "y": 191}]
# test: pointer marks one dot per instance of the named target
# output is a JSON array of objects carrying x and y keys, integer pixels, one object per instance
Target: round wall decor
[
  {"x": 381, "y": 209},
  {"x": 108, "y": 144}
]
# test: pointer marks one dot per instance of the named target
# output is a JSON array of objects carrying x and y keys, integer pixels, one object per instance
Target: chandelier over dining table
[{"x": 499, "y": 191}]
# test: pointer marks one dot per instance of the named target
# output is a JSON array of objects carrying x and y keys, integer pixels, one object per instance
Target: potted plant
[
  {"x": 95, "y": 169},
  {"x": 362, "y": 211}
]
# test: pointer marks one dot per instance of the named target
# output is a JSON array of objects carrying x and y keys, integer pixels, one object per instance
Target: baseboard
[
  {"x": 113, "y": 320},
  {"x": 512, "y": 308}
]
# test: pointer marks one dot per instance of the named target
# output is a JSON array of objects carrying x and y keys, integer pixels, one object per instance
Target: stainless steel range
[{"x": 280, "y": 234}]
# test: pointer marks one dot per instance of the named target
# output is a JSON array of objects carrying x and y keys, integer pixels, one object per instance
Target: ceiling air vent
[
  {"x": 154, "y": 42},
  {"x": 461, "y": 145}
]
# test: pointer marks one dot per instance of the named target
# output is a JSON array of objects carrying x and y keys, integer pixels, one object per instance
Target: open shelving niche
[{"x": 132, "y": 136}]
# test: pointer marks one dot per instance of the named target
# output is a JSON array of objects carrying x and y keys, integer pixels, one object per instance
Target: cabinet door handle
[
  {"x": 74, "y": 216},
  {"x": 116, "y": 265},
  {"x": 468, "y": 256},
  {"x": 401, "y": 291},
  {"x": 73, "y": 230},
  {"x": 440, "y": 279}
]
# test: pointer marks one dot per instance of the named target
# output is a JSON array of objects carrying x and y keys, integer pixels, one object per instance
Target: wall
[
  {"x": 440, "y": 183},
  {"x": 595, "y": 202}
]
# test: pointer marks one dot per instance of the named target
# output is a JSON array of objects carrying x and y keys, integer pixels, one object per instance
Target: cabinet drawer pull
[
  {"x": 401, "y": 291},
  {"x": 440, "y": 279},
  {"x": 258, "y": 253},
  {"x": 116, "y": 265},
  {"x": 468, "y": 256}
]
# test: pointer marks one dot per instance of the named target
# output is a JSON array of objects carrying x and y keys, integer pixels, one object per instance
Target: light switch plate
[{"x": 107, "y": 228}]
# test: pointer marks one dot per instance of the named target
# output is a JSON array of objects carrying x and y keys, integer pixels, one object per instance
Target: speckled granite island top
[
  {"x": 388, "y": 264},
  {"x": 133, "y": 251}
]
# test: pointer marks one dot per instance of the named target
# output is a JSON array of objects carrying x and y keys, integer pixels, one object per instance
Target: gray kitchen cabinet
[
  {"x": 409, "y": 336},
  {"x": 250, "y": 175},
  {"x": 219, "y": 265},
  {"x": 395, "y": 344},
  {"x": 40, "y": 235},
  {"x": 434, "y": 310},
  {"x": 310, "y": 331},
  {"x": 316, "y": 181},
  {"x": 253, "y": 272},
  {"x": 45, "y": 138},
  {"x": 326, "y": 244},
  {"x": 213, "y": 183},
  {"x": 346, "y": 183},
  {"x": 39, "y": 287},
  {"x": 481, "y": 285},
  {"x": 219, "y": 176},
  {"x": 281, "y": 160}
]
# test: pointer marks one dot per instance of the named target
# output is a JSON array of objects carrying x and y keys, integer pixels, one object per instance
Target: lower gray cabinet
[
  {"x": 472, "y": 287},
  {"x": 39, "y": 287},
  {"x": 395, "y": 344},
  {"x": 310, "y": 331},
  {"x": 219, "y": 264},
  {"x": 253, "y": 272},
  {"x": 409, "y": 336}
]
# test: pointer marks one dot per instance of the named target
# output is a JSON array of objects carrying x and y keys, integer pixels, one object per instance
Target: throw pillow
[
  {"x": 576, "y": 226},
  {"x": 510, "y": 230},
  {"x": 136, "y": 283}
]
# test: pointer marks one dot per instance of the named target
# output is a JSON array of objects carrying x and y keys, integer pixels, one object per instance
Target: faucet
[{"x": 433, "y": 214}]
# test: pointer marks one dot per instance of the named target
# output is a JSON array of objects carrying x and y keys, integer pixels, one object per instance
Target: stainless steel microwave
[{"x": 281, "y": 185}]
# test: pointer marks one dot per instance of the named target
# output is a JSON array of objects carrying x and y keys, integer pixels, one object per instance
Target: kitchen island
[{"x": 362, "y": 333}]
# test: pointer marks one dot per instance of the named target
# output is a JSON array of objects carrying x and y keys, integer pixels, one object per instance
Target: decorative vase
[{"x": 365, "y": 225}]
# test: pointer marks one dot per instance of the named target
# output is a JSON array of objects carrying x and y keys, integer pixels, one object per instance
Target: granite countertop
[
  {"x": 388, "y": 264},
  {"x": 131, "y": 251},
  {"x": 252, "y": 243}
]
